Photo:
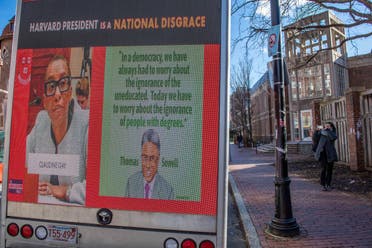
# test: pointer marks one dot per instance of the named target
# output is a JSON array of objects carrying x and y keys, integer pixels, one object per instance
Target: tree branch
[
  {"x": 334, "y": 25},
  {"x": 312, "y": 56},
  {"x": 350, "y": 10}
]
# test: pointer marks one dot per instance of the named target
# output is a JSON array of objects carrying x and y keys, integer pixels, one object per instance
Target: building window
[
  {"x": 3, "y": 113},
  {"x": 297, "y": 44},
  {"x": 296, "y": 129},
  {"x": 324, "y": 41},
  {"x": 2, "y": 124},
  {"x": 306, "y": 124},
  {"x": 310, "y": 82},
  {"x": 292, "y": 78},
  {"x": 367, "y": 104},
  {"x": 315, "y": 43},
  {"x": 338, "y": 40},
  {"x": 327, "y": 80},
  {"x": 340, "y": 79},
  {"x": 315, "y": 49}
]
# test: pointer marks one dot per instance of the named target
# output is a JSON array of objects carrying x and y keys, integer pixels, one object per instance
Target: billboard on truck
[{"x": 118, "y": 112}]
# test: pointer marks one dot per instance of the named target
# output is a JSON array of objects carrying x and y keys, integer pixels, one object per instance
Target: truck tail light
[
  {"x": 13, "y": 229},
  {"x": 171, "y": 243},
  {"x": 27, "y": 231},
  {"x": 206, "y": 244},
  {"x": 188, "y": 243},
  {"x": 41, "y": 232}
]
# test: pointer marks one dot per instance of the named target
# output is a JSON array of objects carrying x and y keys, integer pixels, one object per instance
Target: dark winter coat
[
  {"x": 315, "y": 139},
  {"x": 327, "y": 144}
]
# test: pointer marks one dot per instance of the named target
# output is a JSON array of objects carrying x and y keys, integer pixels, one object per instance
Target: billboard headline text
[{"x": 130, "y": 23}]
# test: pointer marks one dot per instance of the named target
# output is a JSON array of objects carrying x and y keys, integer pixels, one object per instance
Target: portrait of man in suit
[{"x": 148, "y": 183}]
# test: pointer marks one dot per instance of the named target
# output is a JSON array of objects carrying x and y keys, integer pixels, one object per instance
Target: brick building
[
  {"x": 331, "y": 87},
  {"x": 359, "y": 111},
  {"x": 263, "y": 117},
  {"x": 6, "y": 39},
  {"x": 323, "y": 77}
]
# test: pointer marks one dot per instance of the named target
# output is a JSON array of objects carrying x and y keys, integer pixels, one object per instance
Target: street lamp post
[{"x": 283, "y": 223}]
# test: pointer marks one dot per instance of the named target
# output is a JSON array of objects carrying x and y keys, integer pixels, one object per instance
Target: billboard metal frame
[{"x": 221, "y": 217}]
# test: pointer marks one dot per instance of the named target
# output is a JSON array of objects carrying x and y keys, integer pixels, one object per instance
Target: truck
[{"x": 116, "y": 132}]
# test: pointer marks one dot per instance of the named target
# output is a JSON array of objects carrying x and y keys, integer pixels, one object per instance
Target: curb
[{"x": 249, "y": 229}]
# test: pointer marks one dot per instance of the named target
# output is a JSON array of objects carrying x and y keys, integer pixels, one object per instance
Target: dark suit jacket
[{"x": 135, "y": 188}]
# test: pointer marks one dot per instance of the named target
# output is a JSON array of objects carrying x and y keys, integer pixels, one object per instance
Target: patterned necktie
[{"x": 147, "y": 190}]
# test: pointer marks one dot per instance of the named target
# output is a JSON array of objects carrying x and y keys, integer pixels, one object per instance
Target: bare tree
[
  {"x": 241, "y": 115},
  {"x": 355, "y": 13}
]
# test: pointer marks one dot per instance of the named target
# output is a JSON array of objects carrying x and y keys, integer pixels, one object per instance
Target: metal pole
[{"x": 283, "y": 223}]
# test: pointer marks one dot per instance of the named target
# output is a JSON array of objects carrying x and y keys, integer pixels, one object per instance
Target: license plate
[{"x": 62, "y": 234}]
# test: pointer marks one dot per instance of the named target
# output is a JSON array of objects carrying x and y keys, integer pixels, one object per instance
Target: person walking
[
  {"x": 240, "y": 139},
  {"x": 326, "y": 154}
]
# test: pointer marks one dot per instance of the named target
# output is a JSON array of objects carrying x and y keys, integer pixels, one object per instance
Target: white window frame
[{"x": 309, "y": 124}]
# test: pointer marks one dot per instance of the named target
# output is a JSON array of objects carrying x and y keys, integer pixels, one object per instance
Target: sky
[
  {"x": 7, "y": 11},
  {"x": 259, "y": 56}
]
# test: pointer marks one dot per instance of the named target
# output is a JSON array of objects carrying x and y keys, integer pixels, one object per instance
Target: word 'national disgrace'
[{"x": 163, "y": 22}]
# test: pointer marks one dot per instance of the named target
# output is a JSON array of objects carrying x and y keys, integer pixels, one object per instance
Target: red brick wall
[
  {"x": 261, "y": 115},
  {"x": 361, "y": 77},
  {"x": 316, "y": 114},
  {"x": 354, "y": 132}
]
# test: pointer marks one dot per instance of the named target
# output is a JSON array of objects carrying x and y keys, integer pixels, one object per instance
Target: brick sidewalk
[{"x": 326, "y": 219}]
